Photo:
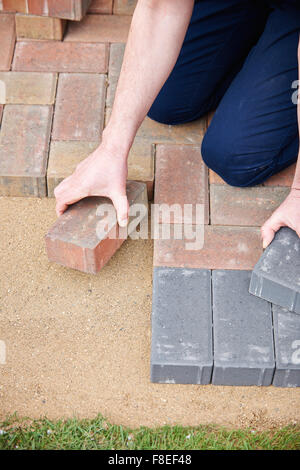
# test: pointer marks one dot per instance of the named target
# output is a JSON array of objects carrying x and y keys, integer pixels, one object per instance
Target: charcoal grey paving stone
[
  {"x": 181, "y": 326},
  {"x": 287, "y": 347},
  {"x": 276, "y": 276},
  {"x": 243, "y": 334}
]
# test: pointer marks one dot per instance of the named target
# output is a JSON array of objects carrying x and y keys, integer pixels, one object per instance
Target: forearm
[
  {"x": 296, "y": 182},
  {"x": 156, "y": 35}
]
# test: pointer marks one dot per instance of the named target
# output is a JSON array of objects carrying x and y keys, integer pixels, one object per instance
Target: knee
[
  {"x": 160, "y": 114},
  {"x": 163, "y": 113},
  {"x": 233, "y": 167}
]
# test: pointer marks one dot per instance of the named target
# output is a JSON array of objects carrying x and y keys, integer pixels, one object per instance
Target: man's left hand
[{"x": 286, "y": 215}]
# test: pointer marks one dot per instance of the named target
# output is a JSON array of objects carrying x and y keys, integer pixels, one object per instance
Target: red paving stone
[
  {"x": 101, "y": 7},
  {"x": 115, "y": 62},
  {"x": 283, "y": 178},
  {"x": 79, "y": 110},
  {"x": 224, "y": 248},
  {"x": 39, "y": 27},
  {"x": 99, "y": 28},
  {"x": 244, "y": 206},
  {"x": 29, "y": 87},
  {"x": 7, "y": 40},
  {"x": 74, "y": 241},
  {"x": 24, "y": 141},
  {"x": 67, "y": 9},
  {"x": 49, "y": 56},
  {"x": 181, "y": 178},
  {"x": 124, "y": 7},
  {"x": 15, "y": 5},
  {"x": 191, "y": 133}
]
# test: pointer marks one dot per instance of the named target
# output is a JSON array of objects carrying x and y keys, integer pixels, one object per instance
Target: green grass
[{"x": 98, "y": 434}]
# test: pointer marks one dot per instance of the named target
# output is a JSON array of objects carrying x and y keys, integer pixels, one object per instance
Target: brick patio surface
[{"x": 59, "y": 95}]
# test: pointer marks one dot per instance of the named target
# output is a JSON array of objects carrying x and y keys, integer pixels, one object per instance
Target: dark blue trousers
[{"x": 240, "y": 58}]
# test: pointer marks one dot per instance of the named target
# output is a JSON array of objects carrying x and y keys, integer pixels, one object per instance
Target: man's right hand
[{"x": 103, "y": 173}]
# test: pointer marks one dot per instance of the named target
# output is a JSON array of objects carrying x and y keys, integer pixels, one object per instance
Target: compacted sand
[{"x": 79, "y": 344}]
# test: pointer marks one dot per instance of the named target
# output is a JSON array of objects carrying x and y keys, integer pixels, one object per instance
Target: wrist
[{"x": 115, "y": 143}]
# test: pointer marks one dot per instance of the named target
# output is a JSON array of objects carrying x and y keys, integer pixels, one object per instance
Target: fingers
[
  {"x": 66, "y": 195},
  {"x": 268, "y": 230},
  {"x": 121, "y": 205}
]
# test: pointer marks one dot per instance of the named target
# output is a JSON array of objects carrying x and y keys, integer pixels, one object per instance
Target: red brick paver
[
  {"x": 73, "y": 241},
  {"x": 101, "y": 7},
  {"x": 115, "y": 63},
  {"x": 60, "y": 57},
  {"x": 15, "y": 5},
  {"x": 39, "y": 27},
  {"x": 181, "y": 178},
  {"x": 244, "y": 206},
  {"x": 79, "y": 110},
  {"x": 29, "y": 87},
  {"x": 224, "y": 248},
  {"x": 24, "y": 140},
  {"x": 67, "y": 9},
  {"x": 99, "y": 28},
  {"x": 7, "y": 40},
  {"x": 124, "y": 7}
]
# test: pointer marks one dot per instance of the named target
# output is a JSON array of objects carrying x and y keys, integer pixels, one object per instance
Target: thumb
[
  {"x": 268, "y": 231},
  {"x": 121, "y": 205}
]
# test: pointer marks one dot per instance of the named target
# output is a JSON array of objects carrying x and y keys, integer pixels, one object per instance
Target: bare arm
[
  {"x": 154, "y": 42},
  {"x": 288, "y": 213}
]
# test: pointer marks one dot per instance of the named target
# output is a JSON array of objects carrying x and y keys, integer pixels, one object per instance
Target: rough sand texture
[{"x": 79, "y": 344}]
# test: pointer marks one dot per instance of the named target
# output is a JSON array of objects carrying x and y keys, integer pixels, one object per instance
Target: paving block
[
  {"x": 181, "y": 349},
  {"x": 74, "y": 241},
  {"x": 283, "y": 178},
  {"x": 7, "y": 40},
  {"x": 190, "y": 134},
  {"x": 39, "y": 27},
  {"x": 49, "y": 56},
  {"x": 66, "y": 9},
  {"x": 141, "y": 161},
  {"x": 124, "y": 7},
  {"x": 224, "y": 248},
  {"x": 244, "y": 206},
  {"x": 101, "y": 7},
  {"x": 242, "y": 332},
  {"x": 114, "y": 68},
  {"x": 15, "y": 5},
  {"x": 79, "y": 110},
  {"x": 287, "y": 348},
  {"x": 276, "y": 276},
  {"x": 24, "y": 141},
  {"x": 99, "y": 28},
  {"x": 181, "y": 178},
  {"x": 28, "y": 87}
]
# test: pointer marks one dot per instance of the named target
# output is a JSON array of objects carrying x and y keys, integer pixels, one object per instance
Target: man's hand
[
  {"x": 287, "y": 214},
  {"x": 103, "y": 173}
]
